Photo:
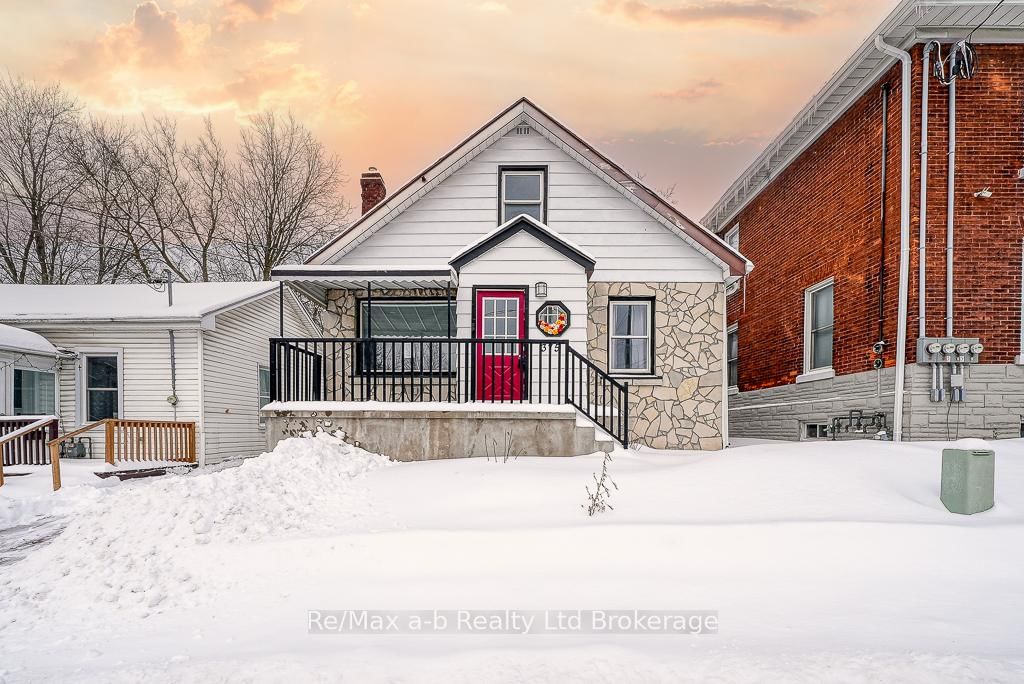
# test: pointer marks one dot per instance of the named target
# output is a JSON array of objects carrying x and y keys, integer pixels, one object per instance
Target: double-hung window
[
  {"x": 522, "y": 192},
  {"x": 631, "y": 336},
  {"x": 35, "y": 392},
  {"x": 818, "y": 325},
  {"x": 101, "y": 385},
  {"x": 406, "y": 318},
  {"x": 733, "y": 355}
]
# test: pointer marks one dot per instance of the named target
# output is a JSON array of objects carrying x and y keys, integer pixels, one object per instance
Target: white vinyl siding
[
  {"x": 145, "y": 371},
  {"x": 232, "y": 355},
  {"x": 504, "y": 267},
  {"x": 629, "y": 244}
]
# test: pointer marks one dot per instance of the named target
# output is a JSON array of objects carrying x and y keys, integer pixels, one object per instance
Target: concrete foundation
[
  {"x": 993, "y": 407},
  {"x": 410, "y": 432}
]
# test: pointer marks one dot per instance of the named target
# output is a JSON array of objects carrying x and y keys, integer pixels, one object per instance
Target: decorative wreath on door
[{"x": 553, "y": 318}]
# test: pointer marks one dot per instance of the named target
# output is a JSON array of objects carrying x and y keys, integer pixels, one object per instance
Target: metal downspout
[
  {"x": 922, "y": 230},
  {"x": 950, "y": 185},
  {"x": 904, "y": 277}
]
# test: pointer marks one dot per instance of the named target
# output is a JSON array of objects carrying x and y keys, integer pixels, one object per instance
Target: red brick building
[{"x": 819, "y": 214}]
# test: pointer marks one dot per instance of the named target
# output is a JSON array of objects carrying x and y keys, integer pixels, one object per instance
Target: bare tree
[
  {"x": 106, "y": 191},
  {"x": 37, "y": 125},
  {"x": 189, "y": 196},
  {"x": 286, "y": 193}
]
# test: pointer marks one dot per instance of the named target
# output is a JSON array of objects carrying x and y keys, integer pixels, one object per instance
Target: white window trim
[
  {"x": 632, "y": 372},
  {"x": 505, "y": 201},
  {"x": 812, "y": 374},
  {"x": 733, "y": 389},
  {"x": 80, "y": 379},
  {"x": 735, "y": 230},
  {"x": 262, "y": 421},
  {"x": 51, "y": 371}
]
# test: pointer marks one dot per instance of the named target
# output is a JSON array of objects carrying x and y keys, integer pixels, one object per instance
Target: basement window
[{"x": 816, "y": 431}]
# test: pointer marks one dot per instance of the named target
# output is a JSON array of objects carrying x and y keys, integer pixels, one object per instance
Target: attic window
[{"x": 521, "y": 191}]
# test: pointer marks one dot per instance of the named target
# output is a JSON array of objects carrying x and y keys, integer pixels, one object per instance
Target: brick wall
[{"x": 820, "y": 218}]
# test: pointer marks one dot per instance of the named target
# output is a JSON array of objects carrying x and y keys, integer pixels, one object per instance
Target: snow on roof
[
  {"x": 26, "y": 341},
  {"x": 122, "y": 302},
  {"x": 518, "y": 222}
]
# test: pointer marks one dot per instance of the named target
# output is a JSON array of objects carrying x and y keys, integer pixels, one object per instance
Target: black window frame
[
  {"x": 533, "y": 168},
  {"x": 364, "y": 351},
  {"x": 729, "y": 359},
  {"x": 653, "y": 332}
]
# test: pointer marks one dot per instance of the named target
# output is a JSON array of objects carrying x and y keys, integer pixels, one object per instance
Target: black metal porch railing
[{"x": 448, "y": 370}]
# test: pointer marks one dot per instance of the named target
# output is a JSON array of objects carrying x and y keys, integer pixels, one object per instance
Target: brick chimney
[{"x": 372, "y": 188}]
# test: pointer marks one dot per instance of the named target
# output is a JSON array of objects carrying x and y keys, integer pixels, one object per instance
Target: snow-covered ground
[{"x": 824, "y": 561}]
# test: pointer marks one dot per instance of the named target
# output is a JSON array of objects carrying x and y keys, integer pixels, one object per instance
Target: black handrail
[
  {"x": 449, "y": 370},
  {"x": 598, "y": 396}
]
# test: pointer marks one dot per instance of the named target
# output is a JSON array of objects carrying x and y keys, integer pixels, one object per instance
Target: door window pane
[{"x": 34, "y": 392}]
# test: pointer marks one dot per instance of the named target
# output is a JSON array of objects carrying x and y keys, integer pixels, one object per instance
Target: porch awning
[{"x": 316, "y": 279}]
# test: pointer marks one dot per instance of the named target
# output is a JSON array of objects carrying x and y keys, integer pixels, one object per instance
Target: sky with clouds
[{"x": 685, "y": 92}]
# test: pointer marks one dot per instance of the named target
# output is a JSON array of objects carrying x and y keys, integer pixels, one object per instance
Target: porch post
[
  {"x": 369, "y": 309},
  {"x": 280, "y": 308},
  {"x": 448, "y": 291}
]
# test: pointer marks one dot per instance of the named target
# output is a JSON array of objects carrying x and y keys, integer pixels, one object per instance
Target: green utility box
[{"x": 968, "y": 480}]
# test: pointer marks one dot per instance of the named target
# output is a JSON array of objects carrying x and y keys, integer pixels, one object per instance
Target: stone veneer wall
[{"x": 681, "y": 407}]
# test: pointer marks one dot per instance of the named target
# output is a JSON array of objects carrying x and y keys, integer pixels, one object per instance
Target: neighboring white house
[
  {"x": 28, "y": 363},
  {"x": 523, "y": 231},
  {"x": 198, "y": 353}
]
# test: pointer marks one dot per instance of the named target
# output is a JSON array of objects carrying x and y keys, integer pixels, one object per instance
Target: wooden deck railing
[
  {"x": 29, "y": 447},
  {"x": 135, "y": 441},
  {"x": 26, "y": 429},
  {"x": 150, "y": 440}
]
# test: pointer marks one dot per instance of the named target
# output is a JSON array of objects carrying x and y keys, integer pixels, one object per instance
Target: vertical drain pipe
[
  {"x": 901, "y": 335},
  {"x": 882, "y": 213},
  {"x": 922, "y": 230},
  {"x": 950, "y": 183}
]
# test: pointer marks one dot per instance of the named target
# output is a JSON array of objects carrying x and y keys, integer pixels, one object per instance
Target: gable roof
[
  {"x": 531, "y": 226},
  {"x": 123, "y": 302},
  {"x": 910, "y": 23},
  {"x": 525, "y": 111}
]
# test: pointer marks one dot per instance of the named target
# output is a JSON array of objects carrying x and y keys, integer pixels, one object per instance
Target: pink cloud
[
  {"x": 766, "y": 13},
  {"x": 696, "y": 91}
]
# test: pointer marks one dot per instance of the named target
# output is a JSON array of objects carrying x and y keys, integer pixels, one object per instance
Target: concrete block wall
[{"x": 993, "y": 407}]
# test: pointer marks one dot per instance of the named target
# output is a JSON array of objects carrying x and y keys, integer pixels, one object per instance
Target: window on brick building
[
  {"x": 733, "y": 356},
  {"x": 818, "y": 323},
  {"x": 732, "y": 237}
]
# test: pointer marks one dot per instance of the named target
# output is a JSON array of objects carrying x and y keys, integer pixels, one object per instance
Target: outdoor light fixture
[{"x": 541, "y": 290}]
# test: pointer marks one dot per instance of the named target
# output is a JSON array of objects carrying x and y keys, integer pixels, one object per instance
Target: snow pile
[{"x": 131, "y": 547}]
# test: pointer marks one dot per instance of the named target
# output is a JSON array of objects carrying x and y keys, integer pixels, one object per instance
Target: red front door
[{"x": 500, "y": 315}]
